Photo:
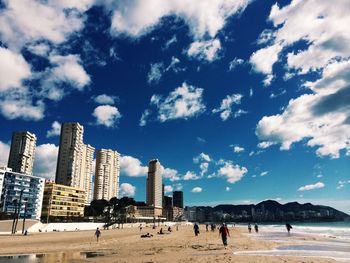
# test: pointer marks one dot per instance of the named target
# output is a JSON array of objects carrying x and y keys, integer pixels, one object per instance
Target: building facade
[
  {"x": 154, "y": 184},
  {"x": 75, "y": 159},
  {"x": 178, "y": 199},
  {"x": 22, "y": 152},
  {"x": 61, "y": 201},
  {"x": 107, "y": 174},
  {"x": 26, "y": 189}
]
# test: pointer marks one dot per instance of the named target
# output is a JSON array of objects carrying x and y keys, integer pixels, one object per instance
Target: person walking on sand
[
  {"x": 249, "y": 228},
  {"x": 97, "y": 233},
  {"x": 256, "y": 227},
  {"x": 223, "y": 231},
  {"x": 196, "y": 229}
]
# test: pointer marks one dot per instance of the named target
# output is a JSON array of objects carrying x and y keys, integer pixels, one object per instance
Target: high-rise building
[
  {"x": 154, "y": 184},
  {"x": 106, "y": 174},
  {"x": 74, "y": 164},
  {"x": 22, "y": 152},
  {"x": 178, "y": 199}
]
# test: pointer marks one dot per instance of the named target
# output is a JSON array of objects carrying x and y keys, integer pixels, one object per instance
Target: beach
[{"x": 126, "y": 245}]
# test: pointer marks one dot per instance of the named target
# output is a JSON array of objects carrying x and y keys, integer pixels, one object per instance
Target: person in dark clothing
[
  {"x": 256, "y": 227},
  {"x": 97, "y": 233},
  {"x": 288, "y": 227},
  {"x": 249, "y": 228},
  {"x": 223, "y": 231},
  {"x": 196, "y": 229}
]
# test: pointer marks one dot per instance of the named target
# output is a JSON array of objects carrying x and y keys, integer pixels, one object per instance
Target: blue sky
[{"x": 240, "y": 100}]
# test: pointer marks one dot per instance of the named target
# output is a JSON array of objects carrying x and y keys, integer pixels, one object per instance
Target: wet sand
[{"x": 126, "y": 245}]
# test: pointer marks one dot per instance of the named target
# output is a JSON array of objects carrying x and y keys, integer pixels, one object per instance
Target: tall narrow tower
[
  {"x": 154, "y": 184},
  {"x": 74, "y": 164},
  {"x": 106, "y": 174},
  {"x": 22, "y": 152}
]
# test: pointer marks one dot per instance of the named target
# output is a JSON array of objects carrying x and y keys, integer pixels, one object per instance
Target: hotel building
[
  {"x": 22, "y": 152},
  {"x": 61, "y": 201},
  {"x": 26, "y": 189},
  {"x": 178, "y": 199},
  {"x": 74, "y": 164},
  {"x": 154, "y": 184}
]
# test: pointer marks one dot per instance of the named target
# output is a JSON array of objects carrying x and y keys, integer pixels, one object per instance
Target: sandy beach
[{"x": 126, "y": 245}]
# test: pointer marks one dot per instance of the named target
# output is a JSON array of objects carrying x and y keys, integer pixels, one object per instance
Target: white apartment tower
[
  {"x": 154, "y": 184},
  {"x": 22, "y": 152},
  {"x": 106, "y": 174},
  {"x": 74, "y": 164}
]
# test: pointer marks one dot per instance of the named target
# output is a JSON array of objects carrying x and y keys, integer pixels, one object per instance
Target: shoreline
[{"x": 126, "y": 245}]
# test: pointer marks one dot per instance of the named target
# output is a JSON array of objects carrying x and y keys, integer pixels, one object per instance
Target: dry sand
[{"x": 126, "y": 245}]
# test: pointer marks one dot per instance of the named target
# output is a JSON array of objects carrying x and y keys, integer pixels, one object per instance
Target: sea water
[{"x": 326, "y": 239}]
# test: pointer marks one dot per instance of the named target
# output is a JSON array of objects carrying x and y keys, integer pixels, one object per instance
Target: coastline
[{"x": 126, "y": 245}]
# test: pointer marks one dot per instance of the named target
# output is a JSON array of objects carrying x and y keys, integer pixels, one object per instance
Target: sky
[{"x": 240, "y": 100}]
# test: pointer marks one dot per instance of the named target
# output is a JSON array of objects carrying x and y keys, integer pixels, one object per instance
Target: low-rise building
[
  {"x": 21, "y": 192},
  {"x": 61, "y": 201}
]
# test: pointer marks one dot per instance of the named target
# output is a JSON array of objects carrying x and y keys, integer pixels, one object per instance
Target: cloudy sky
[{"x": 240, "y": 100}]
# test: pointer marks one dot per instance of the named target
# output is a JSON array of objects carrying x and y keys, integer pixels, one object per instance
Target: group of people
[{"x": 223, "y": 232}]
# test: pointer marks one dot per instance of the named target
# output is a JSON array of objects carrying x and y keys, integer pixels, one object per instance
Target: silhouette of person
[
  {"x": 97, "y": 233},
  {"x": 196, "y": 229},
  {"x": 256, "y": 227},
  {"x": 288, "y": 227},
  {"x": 249, "y": 228},
  {"x": 223, "y": 231}
]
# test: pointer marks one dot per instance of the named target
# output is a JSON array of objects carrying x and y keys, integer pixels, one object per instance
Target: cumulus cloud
[
  {"x": 225, "y": 108},
  {"x": 341, "y": 184},
  {"x": 202, "y": 157},
  {"x": 190, "y": 176},
  {"x": 155, "y": 73},
  {"x": 232, "y": 172},
  {"x": 234, "y": 63},
  {"x": 55, "y": 130},
  {"x": 264, "y": 173},
  {"x": 105, "y": 99},
  {"x": 183, "y": 103},
  {"x": 170, "y": 42},
  {"x": 205, "y": 50},
  {"x": 197, "y": 190},
  {"x": 107, "y": 115},
  {"x": 132, "y": 167},
  {"x": 127, "y": 189},
  {"x": 311, "y": 186},
  {"x": 5, "y": 151},
  {"x": 170, "y": 174},
  {"x": 45, "y": 161},
  {"x": 144, "y": 117},
  {"x": 168, "y": 189},
  {"x": 321, "y": 116},
  {"x": 238, "y": 149},
  {"x": 204, "y": 168}
]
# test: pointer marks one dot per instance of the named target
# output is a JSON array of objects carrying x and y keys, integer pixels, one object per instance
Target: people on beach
[
  {"x": 223, "y": 231},
  {"x": 256, "y": 227},
  {"x": 212, "y": 227},
  {"x": 207, "y": 227},
  {"x": 148, "y": 235},
  {"x": 160, "y": 232},
  {"x": 97, "y": 234},
  {"x": 288, "y": 227},
  {"x": 169, "y": 229},
  {"x": 140, "y": 227},
  {"x": 196, "y": 229},
  {"x": 249, "y": 228}
]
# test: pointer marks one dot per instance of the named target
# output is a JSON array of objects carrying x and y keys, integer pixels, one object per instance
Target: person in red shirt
[{"x": 223, "y": 231}]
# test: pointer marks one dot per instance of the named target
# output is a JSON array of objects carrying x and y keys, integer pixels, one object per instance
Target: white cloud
[
  {"x": 202, "y": 157},
  {"x": 264, "y": 173},
  {"x": 205, "y": 50},
  {"x": 238, "y": 149},
  {"x": 5, "y": 151},
  {"x": 14, "y": 67},
  {"x": 155, "y": 73},
  {"x": 263, "y": 59},
  {"x": 190, "y": 176},
  {"x": 105, "y": 99},
  {"x": 183, "y": 103},
  {"x": 144, "y": 117},
  {"x": 232, "y": 172},
  {"x": 311, "y": 186},
  {"x": 170, "y": 42},
  {"x": 265, "y": 145},
  {"x": 39, "y": 49},
  {"x": 170, "y": 174},
  {"x": 204, "y": 168},
  {"x": 201, "y": 140},
  {"x": 16, "y": 105},
  {"x": 227, "y": 189},
  {"x": 234, "y": 63},
  {"x": 168, "y": 189},
  {"x": 225, "y": 108},
  {"x": 178, "y": 187},
  {"x": 107, "y": 115},
  {"x": 45, "y": 161},
  {"x": 55, "y": 130},
  {"x": 196, "y": 190},
  {"x": 341, "y": 184},
  {"x": 127, "y": 189},
  {"x": 204, "y": 17},
  {"x": 132, "y": 167}
]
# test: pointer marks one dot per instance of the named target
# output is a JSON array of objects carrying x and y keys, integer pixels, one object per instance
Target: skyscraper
[
  {"x": 178, "y": 199},
  {"x": 154, "y": 184},
  {"x": 22, "y": 152},
  {"x": 74, "y": 164},
  {"x": 106, "y": 174}
]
